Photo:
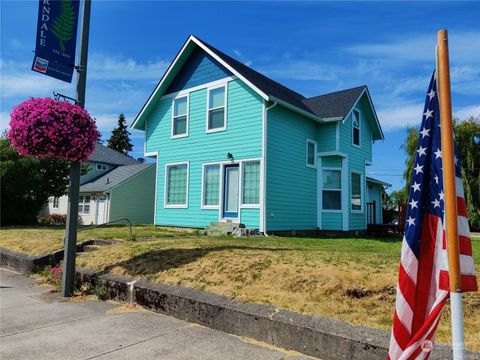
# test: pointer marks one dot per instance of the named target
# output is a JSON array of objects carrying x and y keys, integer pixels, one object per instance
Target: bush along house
[{"x": 232, "y": 145}]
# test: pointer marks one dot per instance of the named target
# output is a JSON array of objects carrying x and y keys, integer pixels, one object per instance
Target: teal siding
[
  {"x": 327, "y": 137},
  {"x": 134, "y": 198},
  {"x": 250, "y": 217},
  {"x": 291, "y": 185},
  {"x": 332, "y": 161},
  {"x": 375, "y": 194},
  {"x": 200, "y": 69},
  {"x": 243, "y": 138},
  {"x": 356, "y": 158},
  {"x": 332, "y": 221}
]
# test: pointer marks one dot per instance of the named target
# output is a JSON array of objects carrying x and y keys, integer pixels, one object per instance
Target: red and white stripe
[{"x": 423, "y": 285}]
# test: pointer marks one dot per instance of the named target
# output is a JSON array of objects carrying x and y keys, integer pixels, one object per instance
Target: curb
[{"x": 311, "y": 335}]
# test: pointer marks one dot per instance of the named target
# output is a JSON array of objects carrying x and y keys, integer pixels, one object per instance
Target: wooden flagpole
[{"x": 451, "y": 216}]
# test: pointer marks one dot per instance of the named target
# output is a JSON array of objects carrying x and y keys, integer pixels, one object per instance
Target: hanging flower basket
[{"x": 43, "y": 127}]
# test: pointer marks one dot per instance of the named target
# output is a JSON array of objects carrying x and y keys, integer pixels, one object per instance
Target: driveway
[{"x": 37, "y": 324}]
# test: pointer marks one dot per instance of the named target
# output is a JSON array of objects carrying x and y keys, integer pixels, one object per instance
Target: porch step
[{"x": 222, "y": 228}]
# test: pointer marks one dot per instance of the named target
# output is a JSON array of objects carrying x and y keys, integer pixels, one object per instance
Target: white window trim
[
  {"x": 202, "y": 204},
  {"x": 83, "y": 204},
  {"x": 341, "y": 190},
  {"x": 359, "y": 128},
  {"x": 187, "y": 95},
  {"x": 225, "y": 86},
  {"x": 58, "y": 202},
  {"x": 361, "y": 193},
  {"x": 249, "y": 206},
  {"x": 310, "y": 141},
  {"x": 101, "y": 167},
  {"x": 165, "y": 187}
]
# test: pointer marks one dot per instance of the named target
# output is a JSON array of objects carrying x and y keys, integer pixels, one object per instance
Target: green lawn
[{"x": 347, "y": 279}]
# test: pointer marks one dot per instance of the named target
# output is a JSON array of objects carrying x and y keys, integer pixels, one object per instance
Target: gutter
[{"x": 265, "y": 117}]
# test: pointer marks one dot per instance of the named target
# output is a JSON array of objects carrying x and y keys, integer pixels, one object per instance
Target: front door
[
  {"x": 230, "y": 192},
  {"x": 101, "y": 210}
]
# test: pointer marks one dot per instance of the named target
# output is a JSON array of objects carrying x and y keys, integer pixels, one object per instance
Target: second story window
[
  {"x": 216, "y": 110},
  {"x": 311, "y": 160},
  {"x": 180, "y": 117},
  {"x": 356, "y": 127},
  {"x": 101, "y": 167}
]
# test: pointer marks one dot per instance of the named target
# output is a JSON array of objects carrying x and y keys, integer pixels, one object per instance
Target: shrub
[
  {"x": 53, "y": 275},
  {"x": 54, "y": 219}
]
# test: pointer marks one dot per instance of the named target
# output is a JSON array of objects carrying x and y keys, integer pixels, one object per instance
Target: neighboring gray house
[{"x": 115, "y": 186}]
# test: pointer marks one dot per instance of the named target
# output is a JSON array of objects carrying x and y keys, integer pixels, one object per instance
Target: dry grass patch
[
  {"x": 40, "y": 240},
  {"x": 348, "y": 279}
]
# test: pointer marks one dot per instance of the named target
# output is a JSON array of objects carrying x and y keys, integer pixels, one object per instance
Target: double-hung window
[
  {"x": 176, "y": 192},
  {"x": 84, "y": 204},
  {"x": 251, "y": 183},
  {"x": 180, "y": 117},
  {"x": 356, "y": 199},
  {"x": 356, "y": 128},
  {"x": 311, "y": 158},
  {"x": 332, "y": 190},
  {"x": 216, "y": 114},
  {"x": 211, "y": 186},
  {"x": 56, "y": 201}
]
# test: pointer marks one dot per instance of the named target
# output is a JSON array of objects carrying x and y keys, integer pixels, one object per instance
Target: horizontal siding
[
  {"x": 375, "y": 194},
  {"x": 291, "y": 185},
  {"x": 357, "y": 158},
  {"x": 243, "y": 139},
  {"x": 250, "y": 218},
  {"x": 332, "y": 161},
  {"x": 332, "y": 221},
  {"x": 134, "y": 198},
  {"x": 327, "y": 137},
  {"x": 200, "y": 69}
]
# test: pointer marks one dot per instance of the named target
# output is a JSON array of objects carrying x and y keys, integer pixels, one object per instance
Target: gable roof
[
  {"x": 103, "y": 154},
  {"x": 113, "y": 178},
  {"x": 267, "y": 88}
]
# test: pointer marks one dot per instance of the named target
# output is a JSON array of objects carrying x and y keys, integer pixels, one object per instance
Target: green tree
[
  {"x": 467, "y": 138},
  {"x": 27, "y": 183},
  {"x": 120, "y": 138},
  {"x": 63, "y": 26}
]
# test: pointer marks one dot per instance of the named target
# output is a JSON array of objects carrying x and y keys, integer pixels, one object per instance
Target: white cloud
[
  {"x": 401, "y": 116},
  {"x": 465, "y": 113},
  {"x": 463, "y": 46},
  {"x": 104, "y": 67}
]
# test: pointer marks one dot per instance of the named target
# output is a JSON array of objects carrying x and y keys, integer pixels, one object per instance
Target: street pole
[{"x": 70, "y": 245}]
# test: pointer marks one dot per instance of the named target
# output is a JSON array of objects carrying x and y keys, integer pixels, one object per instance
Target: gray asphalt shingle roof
[
  {"x": 113, "y": 178},
  {"x": 105, "y": 155},
  {"x": 331, "y": 105}
]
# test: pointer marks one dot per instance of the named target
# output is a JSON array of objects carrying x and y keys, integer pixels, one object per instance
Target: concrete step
[
  {"x": 222, "y": 228},
  {"x": 90, "y": 248}
]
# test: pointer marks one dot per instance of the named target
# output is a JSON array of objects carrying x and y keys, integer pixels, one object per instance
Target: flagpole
[{"x": 451, "y": 226}]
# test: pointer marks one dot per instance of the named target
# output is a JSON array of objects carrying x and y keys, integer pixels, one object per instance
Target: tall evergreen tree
[{"x": 120, "y": 138}]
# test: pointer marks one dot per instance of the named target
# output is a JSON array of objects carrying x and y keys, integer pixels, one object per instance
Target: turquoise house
[{"x": 233, "y": 145}]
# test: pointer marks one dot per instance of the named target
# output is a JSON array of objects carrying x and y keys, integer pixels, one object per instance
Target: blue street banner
[{"x": 56, "y": 38}]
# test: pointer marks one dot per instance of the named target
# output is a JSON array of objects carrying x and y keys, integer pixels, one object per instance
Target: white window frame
[
  {"x": 187, "y": 95},
  {"x": 359, "y": 128},
  {"x": 202, "y": 201},
  {"x": 207, "y": 130},
  {"x": 165, "y": 186},
  {"x": 361, "y": 192},
  {"x": 314, "y": 165},
  {"x": 101, "y": 167},
  {"x": 242, "y": 204},
  {"x": 82, "y": 202},
  {"x": 339, "y": 190},
  {"x": 56, "y": 200}
]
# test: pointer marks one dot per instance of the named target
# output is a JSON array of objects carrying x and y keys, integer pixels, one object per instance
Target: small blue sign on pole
[{"x": 56, "y": 38}]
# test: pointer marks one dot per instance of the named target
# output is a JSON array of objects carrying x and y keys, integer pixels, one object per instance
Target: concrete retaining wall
[{"x": 316, "y": 336}]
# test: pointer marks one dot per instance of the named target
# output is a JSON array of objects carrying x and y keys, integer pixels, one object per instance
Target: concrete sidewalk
[{"x": 36, "y": 324}]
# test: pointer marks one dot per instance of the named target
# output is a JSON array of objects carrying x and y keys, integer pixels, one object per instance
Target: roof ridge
[{"x": 336, "y": 92}]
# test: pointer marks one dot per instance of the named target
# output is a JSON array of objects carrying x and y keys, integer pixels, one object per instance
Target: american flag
[{"x": 423, "y": 283}]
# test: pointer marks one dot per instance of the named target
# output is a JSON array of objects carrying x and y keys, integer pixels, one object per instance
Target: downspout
[{"x": 265, "y": 117}]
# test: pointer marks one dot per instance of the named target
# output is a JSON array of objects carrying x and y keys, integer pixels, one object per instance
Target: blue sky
[{"x": 311, "y": 47}]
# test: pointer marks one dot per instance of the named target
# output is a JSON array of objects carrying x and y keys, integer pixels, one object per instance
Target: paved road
[{"x": 36, "y": 324}]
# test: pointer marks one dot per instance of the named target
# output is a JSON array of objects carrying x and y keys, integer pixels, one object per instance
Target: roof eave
[{"x": 303, "y": 112}]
